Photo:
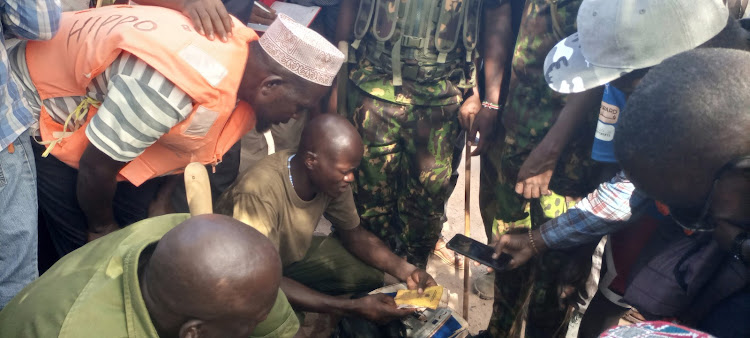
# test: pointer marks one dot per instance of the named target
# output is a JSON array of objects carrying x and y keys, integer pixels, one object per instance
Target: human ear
[
  {"x": 191, "y": 329},
  {"x": 311, "y": 159}
]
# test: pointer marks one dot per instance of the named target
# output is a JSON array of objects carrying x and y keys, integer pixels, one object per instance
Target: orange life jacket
[{"x": 208, "y": 71}]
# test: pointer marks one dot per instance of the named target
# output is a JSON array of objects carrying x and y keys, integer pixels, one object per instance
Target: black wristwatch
[{"x": 739, "y": 240}]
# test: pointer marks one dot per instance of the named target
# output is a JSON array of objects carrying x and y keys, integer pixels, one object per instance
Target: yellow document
[{"x": 430, "y": 298}]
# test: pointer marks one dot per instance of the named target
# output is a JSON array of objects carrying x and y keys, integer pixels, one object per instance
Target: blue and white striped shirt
[{"x": 25, "y": 19}]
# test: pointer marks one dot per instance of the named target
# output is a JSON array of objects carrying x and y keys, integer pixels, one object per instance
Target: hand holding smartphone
[{"x": 479, "y": 252}]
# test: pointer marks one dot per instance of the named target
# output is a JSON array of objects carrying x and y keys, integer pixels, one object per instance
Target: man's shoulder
[
  {"x": 267, "y": 174},
  {"x": 89, "y": 282}
]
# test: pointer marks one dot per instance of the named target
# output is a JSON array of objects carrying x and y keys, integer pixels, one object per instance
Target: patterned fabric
[
  {"x": 32, "y": 20},
  {"x": 602, "y": 212},
  {"x": 404, "y": 178},
  {"x": 430, "y": 49},
  {"x": 534, "y": 283},
  {"x": 302, "y": 51},
  {"x": 530, "y": 111},
  {"x": 654, "y": 330},
  {"x": 380, "y": 84},
  {"x": 138, "y": 105}
]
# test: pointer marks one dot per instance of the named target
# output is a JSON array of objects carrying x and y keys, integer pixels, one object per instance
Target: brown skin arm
[
  {"x": 371, "y": 250},
  {"x": 162, "y": 203},
  {"x": 536, "y": 171},
  {"x": 496, "y": 45},
  {"x": 344, "y": 31},
  {"x": 377, "y": 308},
  {"x": 345, "y": 23},
  {"x": 519, "y": 246},
  {"x": 95, "y": 190},
  {"x": 209, "y": 17}
]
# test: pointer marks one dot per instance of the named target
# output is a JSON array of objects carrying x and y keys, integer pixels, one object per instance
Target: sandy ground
[{"x": 479, "y": 309}]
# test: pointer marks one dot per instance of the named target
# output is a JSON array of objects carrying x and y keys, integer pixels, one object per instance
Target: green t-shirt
[
  {"x": 94, "y": 292},
  {"x": 264, "y": 198}
]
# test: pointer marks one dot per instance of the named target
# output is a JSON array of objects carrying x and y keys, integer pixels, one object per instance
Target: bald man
[
  {"x": 284, "y": 196},
  {"x": 169, "y": 276}
]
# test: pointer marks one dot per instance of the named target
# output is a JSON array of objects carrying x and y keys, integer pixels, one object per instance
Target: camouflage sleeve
[{"x": 341, "y": 211}]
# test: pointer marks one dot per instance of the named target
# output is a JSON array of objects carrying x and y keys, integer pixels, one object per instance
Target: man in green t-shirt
[
  {"x": 168, "y": 276},
  {"x": 284, "y": 196}
]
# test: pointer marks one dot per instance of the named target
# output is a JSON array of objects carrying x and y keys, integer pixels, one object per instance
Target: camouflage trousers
[
  {"x": 529, "y": 292},
  {"x": 404, "y": 179},
  {"x": 529, "y": 113}
]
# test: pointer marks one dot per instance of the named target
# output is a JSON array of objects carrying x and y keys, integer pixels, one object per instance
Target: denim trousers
[
  {"x": 18, "y": 218},
  {"x": 58, "y": 202}
]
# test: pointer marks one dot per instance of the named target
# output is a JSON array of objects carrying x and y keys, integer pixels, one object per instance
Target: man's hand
[
  {"x": 516, "y": 245},
  {"x": 420, "y": 280},
  {"x": 534, "y": 186},
  {"x": 469, "y": 110},
  {"x": 379, "y": 308},
  {"x": 484, "y": 123},
  {"x": 101, "y": 231},
  {"x": 536, "y": 172},
  {"x": 262, "y": 17},
  {"x": 209, "y": 17}
]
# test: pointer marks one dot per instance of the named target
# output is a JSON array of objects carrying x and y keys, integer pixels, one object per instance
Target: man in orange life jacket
[{"x": 131, "y": 94}]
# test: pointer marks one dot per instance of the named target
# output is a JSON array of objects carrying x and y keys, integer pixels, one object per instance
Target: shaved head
[
  {"x": 331, "y": 149},
  {"x": 215, "y": 269},
  {"x": 330, "y": 134}
]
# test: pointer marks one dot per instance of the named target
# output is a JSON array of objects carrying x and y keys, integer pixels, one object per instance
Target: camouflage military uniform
[
  {"x": 530, "y": 111},
  {"x": 408, "y": 118}
]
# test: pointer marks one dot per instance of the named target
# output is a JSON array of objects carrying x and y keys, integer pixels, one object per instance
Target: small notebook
[{"x": 302, "y": 14}]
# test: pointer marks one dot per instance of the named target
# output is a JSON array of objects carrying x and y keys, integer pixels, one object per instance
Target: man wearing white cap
[
  {"x": 141, "y": 94},
  {"x": 618, "y": 54}
]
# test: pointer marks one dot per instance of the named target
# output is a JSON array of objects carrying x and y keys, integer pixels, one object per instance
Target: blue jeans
[{"x": 18, "y": 219}]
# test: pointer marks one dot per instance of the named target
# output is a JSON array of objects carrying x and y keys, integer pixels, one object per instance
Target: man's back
[{"x": 93, "y": 291}]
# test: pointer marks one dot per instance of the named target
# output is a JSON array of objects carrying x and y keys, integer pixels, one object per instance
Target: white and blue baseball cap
[{"x": 616, "y": 37}]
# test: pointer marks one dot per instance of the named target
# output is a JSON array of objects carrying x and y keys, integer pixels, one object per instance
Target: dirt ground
[{"x": 479, "y": 309}]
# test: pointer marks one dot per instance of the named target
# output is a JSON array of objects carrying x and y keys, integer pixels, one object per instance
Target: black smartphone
[{"x": 479, "y": 252}]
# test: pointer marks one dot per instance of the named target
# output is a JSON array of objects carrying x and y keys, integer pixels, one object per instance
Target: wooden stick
[
  {"x": 198, "y": 189},
  {"x": 467, "y": 222},
  {"x": 342, "y": 80}
]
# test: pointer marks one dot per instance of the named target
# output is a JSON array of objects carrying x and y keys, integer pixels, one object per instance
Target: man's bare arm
[
  {"x": 536, "y": 172},
  {"x": 95, "y": 190},
  {"x": 378, "y": 308},
  {"x": 371, "y": 250},
  {"x": 496, "y": 44}
]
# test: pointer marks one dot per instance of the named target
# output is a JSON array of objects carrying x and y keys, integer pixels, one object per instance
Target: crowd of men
[{"x": 622, "y": 122}]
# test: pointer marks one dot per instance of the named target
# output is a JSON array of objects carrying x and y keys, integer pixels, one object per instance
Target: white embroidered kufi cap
[{"x": 302, "y": 51}]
